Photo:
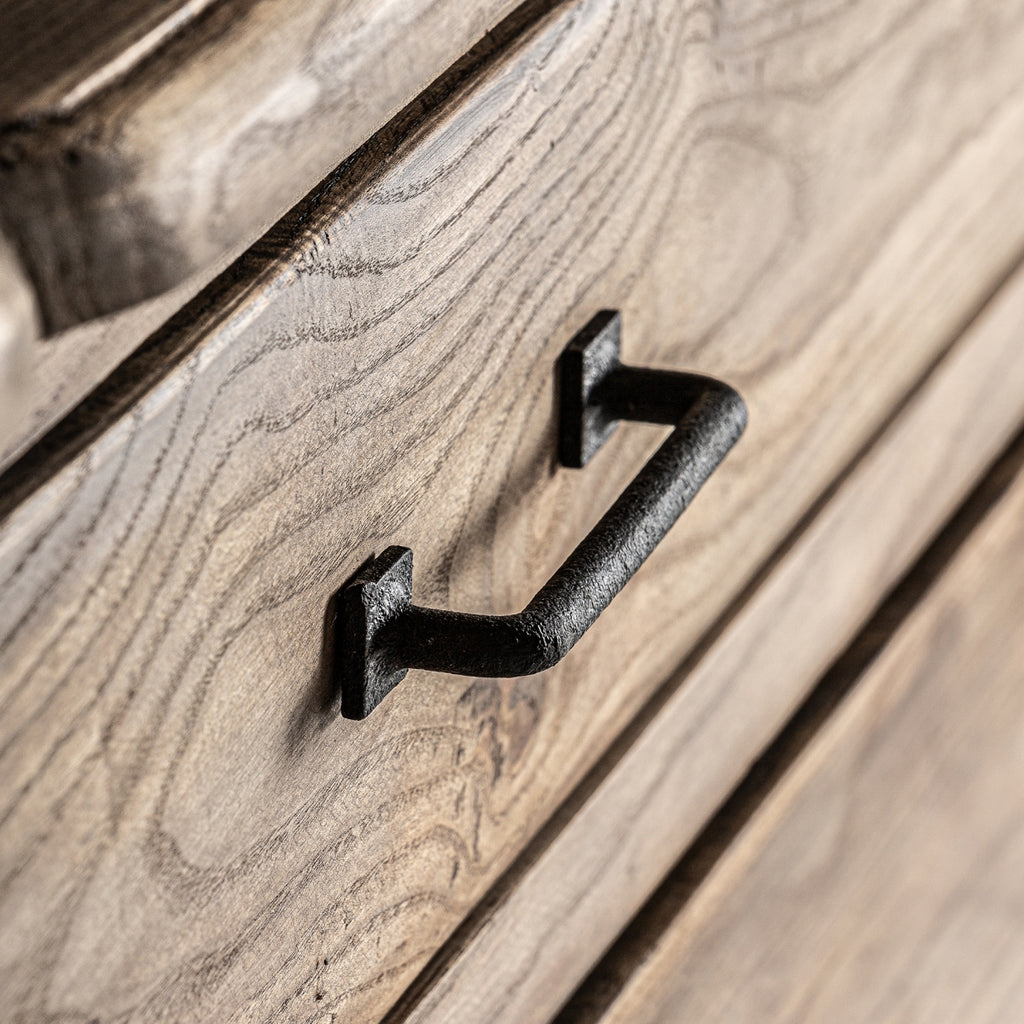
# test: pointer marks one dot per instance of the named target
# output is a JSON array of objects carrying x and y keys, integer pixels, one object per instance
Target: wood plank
[
  {"x": 603, "y": 855},
  {"x": 380, "y": 370},
  {"x": 883, "y": 878},
  {"x": 141, "y": 143}
]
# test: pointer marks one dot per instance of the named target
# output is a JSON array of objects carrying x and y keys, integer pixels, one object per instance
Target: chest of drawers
[{"x": 816, "y": 204}]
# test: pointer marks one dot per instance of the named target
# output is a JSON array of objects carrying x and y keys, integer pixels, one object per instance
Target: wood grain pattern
[
  {"x": 808, "y": 208},
  {"x": 552, "y": 918},
  {"x": 65, "y": 367},
  {"x": 883, "y": 878},
  {"x": 167, "y": 136}
]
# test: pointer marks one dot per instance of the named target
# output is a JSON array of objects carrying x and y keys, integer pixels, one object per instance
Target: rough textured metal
[{"x": 382, "y": 634}]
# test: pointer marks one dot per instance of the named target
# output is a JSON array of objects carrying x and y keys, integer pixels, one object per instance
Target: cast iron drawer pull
[{"x": 382, "y": 634}]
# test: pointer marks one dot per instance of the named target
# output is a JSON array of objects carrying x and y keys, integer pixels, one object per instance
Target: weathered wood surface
[
  {"x": 140, "y": 143},
  {"x": 809, "y": 209},
  {"x": 883, "y": 878},
  {"x": 550, "y": 920},
  {"x": 68, "y": 364}
]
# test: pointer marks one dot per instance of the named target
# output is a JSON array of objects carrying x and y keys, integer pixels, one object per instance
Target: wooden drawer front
[
  {"x": 883, "y": 878},
  {"x": 521, "y": 955},
  {"x": 379, "y": 370}
]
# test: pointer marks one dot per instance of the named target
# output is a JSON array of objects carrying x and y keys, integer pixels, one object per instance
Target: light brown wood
[
  {"x": 141, "y": 143},
  {"x": 757, "y": 200},
  {"x": 19, "y": 326},
  {"x": 884, "y": 878},
  {"x": 64, "y": 368},
  {"x": 551, "y": 920},
  {"x": 97, "y": 45}
]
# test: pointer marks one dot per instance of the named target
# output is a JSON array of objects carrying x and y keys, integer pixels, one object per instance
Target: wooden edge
[
  {"x": 153, "y": 176},
  {"x": 65, "y": 368},
  {"x": 53, "y": 445},
  {"x": 542, "y": 927}
]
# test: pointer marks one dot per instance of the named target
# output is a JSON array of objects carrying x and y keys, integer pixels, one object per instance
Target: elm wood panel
[
  {"x": 65, "y": 366},
  {"x": 380, "y": 370},
  {"x": 883, "y": 877},
  {"x": 18, "y": 329},
  {"x": 193, "y": 146},
  {"x": 522, "y": 954}
]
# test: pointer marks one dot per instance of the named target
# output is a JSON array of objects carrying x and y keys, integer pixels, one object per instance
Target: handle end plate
[
  {"x": 584, "y": 425},
  {"x": 379, "y": 592}
]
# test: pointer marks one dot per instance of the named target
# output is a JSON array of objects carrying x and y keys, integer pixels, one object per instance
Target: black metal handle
[{"x": 382, "y": 634}]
